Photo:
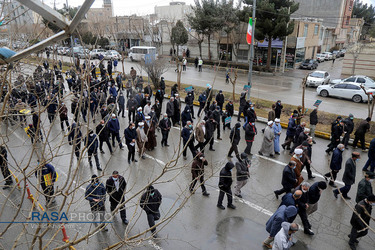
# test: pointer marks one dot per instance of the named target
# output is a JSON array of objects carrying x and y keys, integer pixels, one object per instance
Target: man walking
[
  {"x": 313, "y": 123},
  {"x": 95, "y": 194},
  {"x": 74, "y": 138},
  {"x": 130, "y": 139},
  {"x": 289, "y": 179},
  {"x": 197, "y": 170},
  {"x": 225, "y": 183},
  {"x": 115, "y": 187},
  {"x": 235, "y": 137},
  {"x": 290, "y": 132},
  {"x": 250, "y": 132},
  {"x": 114, "y": 129},
  {"x": 242, "y": 167},
  {"x": 187, "y": 135},
  {"x": 267, "y": 144},
  {"x": 371, "y": 157},
  {"x": 349, "y": 176},
  {"x": 335, "y": 165},
  {"x": 103, "y": 132},
  {"x": 315, "y": 191},
  {"x": 165, "y": 126},
  {"x": 47, "y": 177},
  {"x": 360, "y": 133},
  {"x": 4, "y": 167},
  {"x": 348, "y": 129},
  {"x": 91, "y": 143},
  {"x": 364, "y": 187},
  {"x": 150, "y": 203}
]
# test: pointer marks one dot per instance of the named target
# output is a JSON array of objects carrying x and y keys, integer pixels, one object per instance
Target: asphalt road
[
  {"x": 286, "y": 88},
  {"x": 199, "y": 224}
]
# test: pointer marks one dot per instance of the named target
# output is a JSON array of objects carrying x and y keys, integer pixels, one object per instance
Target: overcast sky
[{"x": 139, "y": 7}]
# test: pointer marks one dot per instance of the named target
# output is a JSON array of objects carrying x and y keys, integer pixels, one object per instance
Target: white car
[
  {"x": 320, "y": 57},
  {"x": 343, "y": 90},
  {"x": 328, "y": 55},
  {"x": 112, "y": 54},
  {"x": 363, "y": 80},
  {"x": 317, "y": 78},
  {"x": 94, "y": 54}
]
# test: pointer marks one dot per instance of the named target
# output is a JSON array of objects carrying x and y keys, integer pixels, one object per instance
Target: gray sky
[{"x": 139, "y": 7}]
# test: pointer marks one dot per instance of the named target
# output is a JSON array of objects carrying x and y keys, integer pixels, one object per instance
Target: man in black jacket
[
  {"x": 225, "y": 183},
  {"x": 235, "y": 137},
  {"x": 230, "y": 108},
  {"x": 209, "y": 135},
  {"x": 360, "y": 133},
  {"x": 364, "y": 189},
  {"x": 115, "y": 187},
  {"x": 289, "y": 179},
  {"x": 197, "y": 171},
  {"x": 242, "y": 167},
  {"x": 278, "y": 109},
  {"x": 242, "y": 106},
  {"x": 150, "y": 202},
  {"x": 220, "y": 99},
  {"x": 4, "y": 167},
  {"x": 250, "y": 132},
  {"x": 189, "y": 101},
  {"x": 336, "y": 132},
  {"x": 348, "y": 129},
  {"x": 130, "y": 139},
  {"x": 132, "y": 106},
  {"x": 349, "y": 176},
  {"x": 103, "y": 132},
  {"x": 303, "y": 204},
  {"x": 74, "y": 138},
  {"x": 313, "y": 123},
  {"x": 217, "y": 114},
  {"x": 314, "y": 193},
  {"x": 360, "y": 220},
  {"x": 165, "y": 126}
]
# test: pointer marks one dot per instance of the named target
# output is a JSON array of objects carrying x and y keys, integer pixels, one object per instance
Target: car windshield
[
  {"x": 308, "y": 61},
  {"x": 317, "y": 74}
]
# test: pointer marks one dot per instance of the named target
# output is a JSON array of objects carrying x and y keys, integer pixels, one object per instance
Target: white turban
[
  {"x": 298, "y": 151},
  {"x": 277, "y": 120},
  {"x": 140, "y": 124},
  {"x": 270, "y": 123},
  {"x": 148, "y": 117},
  {"x": 139, "y": 108}
]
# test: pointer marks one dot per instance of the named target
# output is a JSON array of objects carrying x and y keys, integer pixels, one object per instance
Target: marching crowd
[{"x": 105, "y": 98}]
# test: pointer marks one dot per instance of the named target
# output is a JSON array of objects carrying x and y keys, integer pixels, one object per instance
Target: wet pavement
[{"x": 199, "y": 224}]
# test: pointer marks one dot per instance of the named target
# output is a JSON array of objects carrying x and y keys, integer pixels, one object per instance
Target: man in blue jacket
[
  {"x": 95, "y": 194},
  {"x": 290, "y": 132},
  {"x": 371, "y": 157},
  {"x": 335, "y": 165},
  {"x": 91, "y": 142},
  {"x": 273, "y": 225},
  {"x": 47, "y": 177},
  {"x": 114, "y": 129}
]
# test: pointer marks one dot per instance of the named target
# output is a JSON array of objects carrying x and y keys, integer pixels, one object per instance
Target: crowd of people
[{"x": 92, "y": 98}]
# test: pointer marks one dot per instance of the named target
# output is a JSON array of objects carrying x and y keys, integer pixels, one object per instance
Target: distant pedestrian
[
  {"x": 92, "y": 144},
  {"x": 150, "y": 203},
  {"x": 250, "y": 132},
  {"x": 333, "y": 59},
  {"x": 290, "y": 132},
  {"x": 60, "y": 64},
  {"x": 200, "y": 64},
  {"x": 196, "y": 62},
  {"x": 348, "y": 129},
  {"x": 130, "y": 140},
  {"x": 278, "y": 109},
  {"x": 235, "y": 137},
  {"x": 277, "y": 132},
  {"x": 103, "y": 132},
  {"x": 74, "y": 138},
  {"x": 225, "y": 184}
]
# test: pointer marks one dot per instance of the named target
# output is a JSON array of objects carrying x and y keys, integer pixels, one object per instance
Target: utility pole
[
  {"x": 251, "y": 52},
  {"x": 285, "y": 43}
]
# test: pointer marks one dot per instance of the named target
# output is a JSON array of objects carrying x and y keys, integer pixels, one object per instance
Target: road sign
[
  {"x": 246, "y": 87},
  {"x": 189, "y": 89}
]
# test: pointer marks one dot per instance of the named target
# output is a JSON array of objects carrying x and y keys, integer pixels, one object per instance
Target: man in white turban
[{"x": 268, "y": 143}]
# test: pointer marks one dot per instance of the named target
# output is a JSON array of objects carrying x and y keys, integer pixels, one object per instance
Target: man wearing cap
[
  {"x": 150, "y": 132},
  {"x": 349, "y": 176},
  {"x": 197, "y": 170},
  {"x": 335, "y": 165},
  {"x": 283, "y": 239},
  {"x": 141, "y": 140},
  {"x": 360, "y": 220},
  {"x": 315, "y": 191},
  {"x": 364, "y": 187},
  {"x": 220, "y": 99},
  {"x": 165, "y": 126},
  {"x": 139, "y": 117},
  {"x": 277, "y": 132},
  {"x": 267, "y": 145},
  {"x": 289, "y": 179},
  {"x": 116, "y": 186},
  {"x": 371, "y": 157},
  {"x": 114, "y": 129},
  {"x": 273, "y": 225},
  {"x": 348, "y": 129},
  {"x": 130, "y": 139},
  {"x": 242, "y": 173},
  {"x": 95, "y": 194},
  {"x": 360, "y": 133},
  {"x": 290, "y": 132},
  {"x": 337, "y": 128}
]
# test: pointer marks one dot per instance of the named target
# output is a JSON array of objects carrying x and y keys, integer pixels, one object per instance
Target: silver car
[
  {"x": 362, "y": 80},
  {"x": 317, "y": 78}
]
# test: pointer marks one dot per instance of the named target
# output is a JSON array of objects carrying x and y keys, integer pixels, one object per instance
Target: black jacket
[
  {"x": 278, "y": 109},
  {"x": 242, "y": 172},
  {"x": 364, "y": 190},
  {"x": 355, "y": 221},
  {"x": 314, "y": 117},
  {"x": 235, "y": 135},
  {"x": 130, "y": 134},
  {"x": 210, "y": 128},
  {"x": 225, "y": 180},
  {"x": 289, "y": 178},
  {"x": 314, "y": 193},
  {"x": 220, "y": 98},
  {"x": 3, "y": 156},
  {"x": 165, "y": 125},
  {"x": 230, "y": 109},
  {"x": 116, "y": 195},
  {"x": 303, "y": 200},
  {"x": 250, "y": 132},
  {"x": 349, "y": 125},
  {"x": 102, "y": 131},
  {"x": 189, "y": 100},
  {"x": 151, "y": 200},
  {"x": 349, "y": 173},
  {"x": 243, "y": 100},
  {"x": 363, "y": 127}
]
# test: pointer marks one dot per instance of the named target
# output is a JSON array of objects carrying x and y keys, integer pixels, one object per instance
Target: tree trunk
[
  {"x": 209, "y": 46},
  {"x": 177, "y": 50},
  {"x": 200, "y": 48},
  {"x": 226, "y": 55},
  {"x": 234, "y": 92},
  {"x": 179, "y": 71},
  {"x": 303, "y": 94},
  {"x": 269, "y": 52},
  {"x": 123, "y": 64}
]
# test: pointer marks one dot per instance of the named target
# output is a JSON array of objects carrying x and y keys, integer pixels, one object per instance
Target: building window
[
  {"x": 242, "y": 54},
  {"x": 316, "y": 30},
  {"x": 347, "y": 20},
  {"x": 305, "y": 30},
  {"x": 321, "y": 34}
]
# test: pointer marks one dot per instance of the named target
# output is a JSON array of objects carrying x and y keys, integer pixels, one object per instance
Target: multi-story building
[
  {"x": 103, "y": 14},
  {"x": 173, "y": 12},
  {"x": 354, "y": 30}
]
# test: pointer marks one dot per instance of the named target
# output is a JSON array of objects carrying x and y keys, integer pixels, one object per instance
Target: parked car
[
  {"x": 362, "y": 80},
  {"x": 62, "y": 50},
  {"x": 320, "y": 57},
  {"x": 309, "y": 64},
  {"x": 112, "y": 54},
  {"x": 94, "y": 54},
  {"x": 351, "y": 91},
  {"x": 317, "y": 78},
  {"x": 343, "y": 51},
  {"x": 75, "y": 51},
  {"x": 84, "y": 53},
  {"x": 336, "y": 53},
  {"x": 328, "y": 55}
]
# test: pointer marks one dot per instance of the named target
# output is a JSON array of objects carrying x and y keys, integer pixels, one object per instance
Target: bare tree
[{"x": 155, "y": 69}]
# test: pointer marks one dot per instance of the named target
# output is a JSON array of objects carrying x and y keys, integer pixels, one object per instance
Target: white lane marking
[
  {"x": 157, "y": 160},
  {"x": 284, "y": 164},
  {"x": 153, "y": 244}
]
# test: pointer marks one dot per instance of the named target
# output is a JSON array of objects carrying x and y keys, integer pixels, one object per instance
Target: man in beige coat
[
  {"x": 141, "y": 140},
  {"x": 200, "y": 131}
]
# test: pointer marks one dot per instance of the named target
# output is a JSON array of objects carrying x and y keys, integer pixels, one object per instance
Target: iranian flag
[{"x": 249, "y": 31}]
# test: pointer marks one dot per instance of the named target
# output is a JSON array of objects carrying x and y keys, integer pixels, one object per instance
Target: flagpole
[{"x": 251, "y": 52}]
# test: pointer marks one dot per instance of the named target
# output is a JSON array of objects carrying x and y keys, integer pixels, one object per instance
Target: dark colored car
[{"x": 309, "y": 64}]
